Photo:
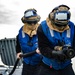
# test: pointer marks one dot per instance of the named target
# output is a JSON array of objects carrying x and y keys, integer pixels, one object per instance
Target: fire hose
[{"x": 22, "y": 55}]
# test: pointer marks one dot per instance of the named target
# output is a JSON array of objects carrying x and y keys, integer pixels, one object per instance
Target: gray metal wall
[{"x": 8, "y": 51}]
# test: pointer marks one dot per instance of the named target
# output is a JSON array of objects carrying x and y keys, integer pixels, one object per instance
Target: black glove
[{"x": 59, "y": 55}]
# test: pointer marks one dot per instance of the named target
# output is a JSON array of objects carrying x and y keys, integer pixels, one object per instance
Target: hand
[
  {"x": 18, "y": 55},
  {"x": 58, "y": 48},
  {"x": 59, "y": 55},
  {"x": 38, "y": 51}
]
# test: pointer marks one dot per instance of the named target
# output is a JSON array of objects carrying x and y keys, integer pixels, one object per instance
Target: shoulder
[
  {"x": 21, "y": 29},
  {"x": 71, "y": 23},
  {"x": 43, "y": 22},
  {"x": 39, "y": 28}
]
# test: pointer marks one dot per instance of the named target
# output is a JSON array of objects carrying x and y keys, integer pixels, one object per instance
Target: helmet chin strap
[{"x": 60, "y": 24}]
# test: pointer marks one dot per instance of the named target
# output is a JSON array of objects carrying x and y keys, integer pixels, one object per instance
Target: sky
[{"x": 11, "y": 12}]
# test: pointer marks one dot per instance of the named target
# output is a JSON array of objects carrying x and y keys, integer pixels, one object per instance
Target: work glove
[{"x": 58, "y": 55}]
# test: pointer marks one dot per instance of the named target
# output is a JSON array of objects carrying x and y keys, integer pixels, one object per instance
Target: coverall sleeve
[
  {"x": 18, "y": 48},
  {"x": 44, "y": 44}
]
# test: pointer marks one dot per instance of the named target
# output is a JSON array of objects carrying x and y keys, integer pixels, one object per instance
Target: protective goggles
[
  {"x": 62, "y": 15},
  {"x": 32, "y": 22}
]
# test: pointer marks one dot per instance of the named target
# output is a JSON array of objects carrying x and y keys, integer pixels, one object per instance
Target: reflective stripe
[
  {"x": 68, "y": 33},
  {"x": 51, "y": 32},
  {"x": 23, "y": 34}
]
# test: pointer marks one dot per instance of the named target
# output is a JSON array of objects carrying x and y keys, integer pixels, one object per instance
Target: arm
[
  {"x": 18, "y": 48},
  {"x": 45, "y": 48},
  {"x": 43, "y": 43}
]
